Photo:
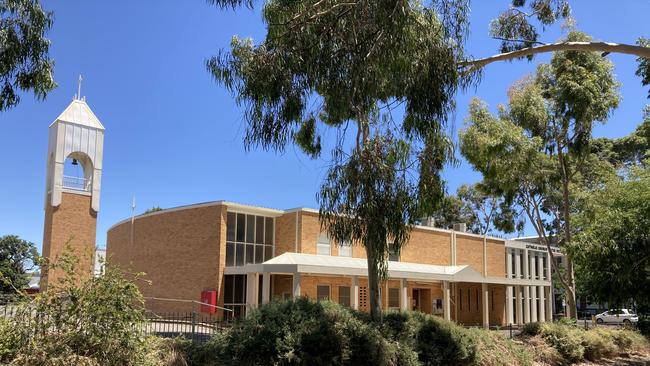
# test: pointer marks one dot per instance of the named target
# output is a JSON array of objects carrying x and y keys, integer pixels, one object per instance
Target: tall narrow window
[
  {"x": 344, "y": 295},
  {"x": 322, "y": 292},
  {"x": 393, "y": 297},
  {"x": 393, "y": 254},
  {"x": 345, "y": 249},
  {"x": 249, "y": 239},
  {"x": 460, "y": 298},
  {"x": 323, "y": 246}
]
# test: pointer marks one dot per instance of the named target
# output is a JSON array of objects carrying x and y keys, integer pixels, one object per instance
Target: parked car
[{"x": 619, "y": 316}]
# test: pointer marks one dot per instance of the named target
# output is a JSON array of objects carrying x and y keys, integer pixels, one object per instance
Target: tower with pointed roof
[{"x": 74, "y": 172}]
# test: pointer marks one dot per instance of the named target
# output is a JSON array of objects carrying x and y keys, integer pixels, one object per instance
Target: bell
[{"x": 74, "y": 162}]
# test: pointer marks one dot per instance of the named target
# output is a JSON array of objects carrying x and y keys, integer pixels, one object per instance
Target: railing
[
  {"x": 198, "y": 327},
  {"x": 76, "y": 183}
]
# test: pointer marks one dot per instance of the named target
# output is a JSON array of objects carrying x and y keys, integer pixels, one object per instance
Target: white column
[
  {"x": 526, "y": 305},
  {"x": 518, "y": 268},
  {"x": 296, "y": 285},
  {"x": 266, "y": 287},
  {"x": 509, "y": 263},
  {"x": 549, "y": 303},
  {"x": 355, "y": 292},
  {"x": 404, "y": 301},
  {"x": 542, "y": 310},
  {"x": 533, "y": 303},
  {"x": 486, "y": 306},
  {"x": 519, "y": 305},
  {"x": 252, "y": 281},
  {"x": 531, "y": 266},
  {"x": 446, "y": 301},
  {"x": 526, "y": 267},
  {"x": 540, "y": 266},
  {"x": 509, "y": 315},
  {"x": 548, "y": 267}
]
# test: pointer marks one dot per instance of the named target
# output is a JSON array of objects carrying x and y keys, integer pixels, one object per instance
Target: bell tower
[{"x": 74, "y": 172}]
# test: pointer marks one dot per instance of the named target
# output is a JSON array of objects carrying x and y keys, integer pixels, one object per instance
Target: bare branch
[{"x": 627, "y": 49}]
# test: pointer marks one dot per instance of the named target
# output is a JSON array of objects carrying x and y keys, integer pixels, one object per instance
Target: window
[
  {"x": 521, "y": 263},
  {"x": 323, "y": 246},
  {"x": 513, "y": 262},
  {"x": 249, "y": 239},
  {"x": 544, "y": 268},
  {"x": 393, "y": 254},
  {"x": 393, "y": 298},
  {"x": 460, "y": 298},
  {"x": 344, "y": 295},
  {"x": 345, "y": 249},
  {"x": 322, "y": 292},
  {"x": 234, "y": 295}
]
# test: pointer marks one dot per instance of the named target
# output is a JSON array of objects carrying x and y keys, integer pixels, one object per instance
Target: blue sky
[{"x": 174, "y": 137}]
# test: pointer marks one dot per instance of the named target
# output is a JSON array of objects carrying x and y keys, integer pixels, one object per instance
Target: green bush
[
  {"x": 597, "y": 345},
  {"x": 96, "y": 321},
  {"x": 566, "y": 339},
  {"x": 302, "y": 332},
  {"x": 531, "y": 329}
]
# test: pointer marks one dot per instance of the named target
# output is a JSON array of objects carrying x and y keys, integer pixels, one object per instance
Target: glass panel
[
  {"x": 344, "y": 295},
  {"x": 241, "y": 226},
  {"x": 268, "y": 253},
  {"x": 239, "y": 255},
  {"x": 231, "y": 223},
  {"x": 259, "y": 230},
  {"x": 392, "y": 253},
  {"x": 250, "y": 228},
  {"x": 393, "y": 297},
  {"x": 259, "y": 253},
  {"x": 323, "y": 245},
  {"x": 228, "y": 289},
  {"x": 240, "y": 287},
  {"x": 269, "y": 231},
  {"x": 249, "y": 253},
  {"x": 230, "y": 254},
  {"x": 322, "y": 292},
  {"x": 345, "y": 250}
]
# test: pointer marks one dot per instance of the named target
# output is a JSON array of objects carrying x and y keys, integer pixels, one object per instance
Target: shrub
[
  {"x": 531, "y": 329},
  {"x": 96, "y": 321},
  {"x": 493, "y": 348},
  {"x": 597, "y": 345},
  {"x": 567, "y": 340},
  {"x": 302, "y": 332}
]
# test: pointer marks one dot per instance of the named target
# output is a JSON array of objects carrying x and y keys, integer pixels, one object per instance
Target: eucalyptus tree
[
  {"x": 342, "y": 66},
  {"x": 533, "y": 150},
  {"x": 24, "y": 51}
]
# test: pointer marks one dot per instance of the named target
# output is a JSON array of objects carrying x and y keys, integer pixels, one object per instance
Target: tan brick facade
[
  {"x": 182, "y": 252},
  {"x": 73, "y": 223},
  {"x": 178, "y": 251}
]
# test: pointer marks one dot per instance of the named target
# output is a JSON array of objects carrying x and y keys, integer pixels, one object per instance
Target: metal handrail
[
  {"x": 76, "y": 183},
  {"x": 187, "y": 301}
]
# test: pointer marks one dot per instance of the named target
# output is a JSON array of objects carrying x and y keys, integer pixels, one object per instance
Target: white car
[{"x": 618, "y": 316}]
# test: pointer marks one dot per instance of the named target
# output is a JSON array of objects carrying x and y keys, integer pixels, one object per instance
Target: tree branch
[{"x": 627, "y": 49}]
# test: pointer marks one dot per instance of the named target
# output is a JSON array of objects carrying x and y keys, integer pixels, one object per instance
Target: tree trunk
[
  {"x": 627, "y": 49},
  {"x": 373, "y": 286},
  {"x": 570, "y": 288}
]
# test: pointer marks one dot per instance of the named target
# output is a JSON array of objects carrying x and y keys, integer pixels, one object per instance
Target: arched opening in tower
[{"x": 77, "y": 172}]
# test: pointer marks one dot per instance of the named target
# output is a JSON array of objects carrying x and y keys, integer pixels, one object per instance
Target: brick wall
[
  {"x": 469, "y": 251},
  {"x": 427, "y": 246},
  {"x": 72, "y": 223},
  {"x": 285, "y": 233},
  {"x": 179, "y": 251}
]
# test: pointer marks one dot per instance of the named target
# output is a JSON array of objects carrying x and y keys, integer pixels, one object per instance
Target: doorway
[{"x": 421, "y": 300}]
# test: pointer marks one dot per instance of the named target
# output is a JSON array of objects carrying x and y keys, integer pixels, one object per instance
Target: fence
[{"x": 195, "y": 326}]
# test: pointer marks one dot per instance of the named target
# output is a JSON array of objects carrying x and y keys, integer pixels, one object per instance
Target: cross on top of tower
[{"x": 78, "y": 96}]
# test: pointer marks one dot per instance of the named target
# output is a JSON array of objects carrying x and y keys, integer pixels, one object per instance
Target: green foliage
[
  {"x": 24, "y": 61},
  {"x": 626, "y": 151},
  {"x": 153, "y": 209},
  {"x": 514, "y": 27},
  {"x": 575, "y": 344},
  {"x": 17, "y": 257},
  {"x": 536, "y": 151},
  {"x": 612, "y": 251},
  {"x": 302, "y": 332},
  {"x": 327, "y": 64},
  {"x": 96, "y": 321},
  {"x": 643, "y": 71}
]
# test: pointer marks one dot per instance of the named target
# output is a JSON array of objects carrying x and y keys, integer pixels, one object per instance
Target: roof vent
[
  {"x": 428, "y": 221},
  {"x": 460, "y": 226}
]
